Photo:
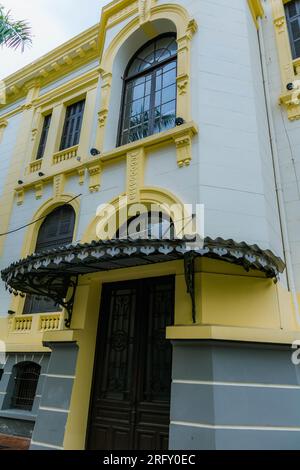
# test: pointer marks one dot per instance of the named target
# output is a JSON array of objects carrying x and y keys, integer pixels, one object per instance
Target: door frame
[{"x": 103, "y": 324}]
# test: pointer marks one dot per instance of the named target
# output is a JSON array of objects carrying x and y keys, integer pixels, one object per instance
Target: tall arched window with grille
[
  {"x": 149, "y": 95},
  {"x": 56, "y": 230},
  {"x": 292, "y": 9},
  {"x": 26, "y": 376}
]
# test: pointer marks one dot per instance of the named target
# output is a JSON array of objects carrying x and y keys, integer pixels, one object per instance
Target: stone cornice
[{"x": 57, "y": 63}]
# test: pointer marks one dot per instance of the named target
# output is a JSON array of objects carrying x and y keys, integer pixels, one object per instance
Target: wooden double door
[{"x": 130, "y": 403}]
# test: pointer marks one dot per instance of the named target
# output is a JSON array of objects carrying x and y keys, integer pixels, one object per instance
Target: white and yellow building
[{"x": 148, "y": 344}]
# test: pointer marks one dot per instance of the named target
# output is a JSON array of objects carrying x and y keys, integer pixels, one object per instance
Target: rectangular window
[
  {"x": 44, "y": 136},
  {"x": 292, "y": 10},
  {"x": 72, "y": 126}
]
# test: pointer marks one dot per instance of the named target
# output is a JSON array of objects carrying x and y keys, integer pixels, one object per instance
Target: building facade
[{"x": 151, "y": 343}]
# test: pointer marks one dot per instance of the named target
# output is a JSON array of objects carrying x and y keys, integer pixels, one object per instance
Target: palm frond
[{"x": 13, "y": 33}]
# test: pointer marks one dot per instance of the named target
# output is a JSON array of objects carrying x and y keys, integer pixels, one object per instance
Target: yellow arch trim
[
  {"x": 30, "y": 239},
  {"x": 148, "y": 196},
  {"x": 175, "y": 13},
  {"x": 43, "y": 211}
]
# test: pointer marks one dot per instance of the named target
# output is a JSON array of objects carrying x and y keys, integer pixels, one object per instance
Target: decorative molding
[
  {"x": 58, "y": 185},
  {"x": 182, "y": 84},
  {"x": 135, "y": 174},
  {"x": 35, "y": 166},
  {"x": 122, "y": 13},
  {"x": 145, "y": 10},
  {"x": 3, "y": 126},
  {"x": 65, "y": 155},
  {"x": 3, "y": 123},
  {"x": 20, "y": 196},
  {"x": 106, "y": 78},
  {"x": 95, "y": 173},
  {"x": 81, "y": 176},
  {"x": 34, "y": 133},
  {"x": 39, "y": 187},
  {"x": 102, "y": 117},
  {"x": 149, "y": 12},
  {"x": 184, "y": 149},
  {"x": 50, "y": 67},
  {"x": 289, "y": 69}
]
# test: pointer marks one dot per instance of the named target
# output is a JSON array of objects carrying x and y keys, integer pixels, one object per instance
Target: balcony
[
  {"x": 35, "y": 166},
  {"x": 25, "y": 324},
  {"x": 65, "y": 155}
]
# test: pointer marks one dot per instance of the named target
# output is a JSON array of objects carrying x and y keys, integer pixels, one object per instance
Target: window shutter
[{"x": 72, "y": 126}]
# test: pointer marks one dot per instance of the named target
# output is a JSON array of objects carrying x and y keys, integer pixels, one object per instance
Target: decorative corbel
[
  {"x": 184, "y": 149},
  {"x": 95, "y": 173},
  {"x": 102, "y": 117},
  {"x": 3, "y": 126},
  {"x": 183, "y": 73},
  {"x": 103, "y": 112},
  {"x": 39, "y": 187},
  {"x": 81, "y": 176},
  {"x": 20, "y": 196}
]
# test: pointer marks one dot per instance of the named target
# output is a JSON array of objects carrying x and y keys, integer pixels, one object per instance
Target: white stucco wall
[
  {"x": 287, "y": 141},
  {"x": 231, "y": 172}
]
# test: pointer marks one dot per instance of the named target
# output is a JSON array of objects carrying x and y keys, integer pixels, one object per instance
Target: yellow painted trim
[
  {"x": 290, "y": 71},
  {"x": 30, "y": 239},
  {"x": 219, "y": 333},
  {"x": 3, "y": 125},
  {"x": 7, "y": 199},
  {"x": 147, "y": 196},
  {"x": 256, "y": 9},
  {"x": 64, "y": 59},
  {"x": 186, "y": 28}
]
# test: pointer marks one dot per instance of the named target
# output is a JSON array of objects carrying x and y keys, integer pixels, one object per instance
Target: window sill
[
  {"x": 180, "y": 135},
  {"x": 18, "y": 414}
]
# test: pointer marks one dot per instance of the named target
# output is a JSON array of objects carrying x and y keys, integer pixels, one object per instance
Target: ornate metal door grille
[{"x": 132, "y": 381}]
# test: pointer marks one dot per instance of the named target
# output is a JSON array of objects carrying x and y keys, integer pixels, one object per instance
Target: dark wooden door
[{"x": 130, "y": 407}]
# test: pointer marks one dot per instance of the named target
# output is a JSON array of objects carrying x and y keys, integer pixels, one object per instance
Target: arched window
[
  {"x": 148, "y": 226},
  {"x": 149, "y": 96},
  {"x": 292, "y": 10},
  {"x": 26, "y": 376},
  {"x": 56, "y": 230}
]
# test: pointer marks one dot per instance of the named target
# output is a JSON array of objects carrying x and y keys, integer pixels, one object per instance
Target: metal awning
[{"x": 54, "y": 273}]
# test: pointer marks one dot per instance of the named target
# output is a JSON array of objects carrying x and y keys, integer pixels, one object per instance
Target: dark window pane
[
  {"x": 56, "y": 230},
  {"x": 168, "y": 94},
  {"x": 297, "y": 48},
  {"x": 293, "y": 20},
  {"x": 72, "y": 126},
  {"x": 144, "y": 95},
  {"x": 44, "y": 136},
  {"x": 292, "y": 9},
  {"x": 295, "y": 28},
  {"x": 169, "y": 78}
]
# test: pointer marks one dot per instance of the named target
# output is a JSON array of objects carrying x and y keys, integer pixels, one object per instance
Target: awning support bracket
[
  {"x": 69, "y": 304},
  {"x": 189, "y": 269}
]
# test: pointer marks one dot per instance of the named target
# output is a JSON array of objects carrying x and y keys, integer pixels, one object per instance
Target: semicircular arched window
[
  {"x": 56, "y": 230},
  {"x": 148, "y": 226},
  {"x": 149, "y": 96}
]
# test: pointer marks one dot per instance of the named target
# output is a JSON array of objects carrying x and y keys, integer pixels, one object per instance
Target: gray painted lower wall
[
  {"x": 234, "y": 396},
  {"x": 49, "y": 430},
  {"x": 19, "y": 422}
]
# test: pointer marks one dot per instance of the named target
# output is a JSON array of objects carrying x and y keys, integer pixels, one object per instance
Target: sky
[{"x": 53, "y": 22}]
